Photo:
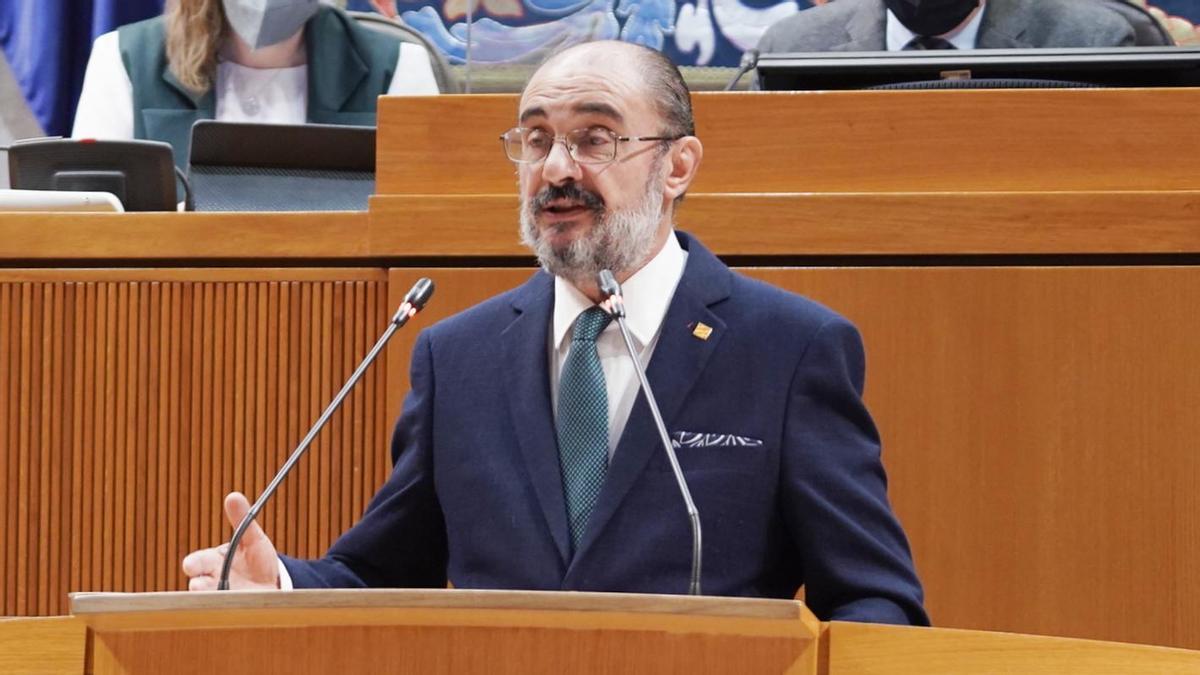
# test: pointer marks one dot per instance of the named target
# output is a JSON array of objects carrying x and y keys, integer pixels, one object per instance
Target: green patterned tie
[{"x": 583, "y": 422}]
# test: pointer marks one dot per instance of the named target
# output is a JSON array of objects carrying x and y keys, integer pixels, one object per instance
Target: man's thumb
[{"x": 236, "y": 508}]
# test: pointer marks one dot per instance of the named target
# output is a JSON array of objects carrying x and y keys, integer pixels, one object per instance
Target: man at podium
[{"x": 525, "y": 457}]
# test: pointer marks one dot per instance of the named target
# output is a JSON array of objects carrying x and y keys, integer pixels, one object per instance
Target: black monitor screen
[
  {"x": 1118, "y": 67},
  {"x": 240, "y": 166},
  {"x": 140, "y": 173}
]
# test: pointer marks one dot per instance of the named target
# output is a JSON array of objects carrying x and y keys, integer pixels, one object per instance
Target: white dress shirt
[
  {"x": 647, "y": 296},
  {"x": 272, "y": 95},
  {"x": 966, "y": 37}
]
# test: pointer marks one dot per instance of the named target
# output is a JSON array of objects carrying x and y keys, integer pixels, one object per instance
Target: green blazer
[{"x": 348, "y": 68}]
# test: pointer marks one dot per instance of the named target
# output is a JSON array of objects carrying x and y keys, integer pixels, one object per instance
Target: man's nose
[{"x": 559, "y": 166}]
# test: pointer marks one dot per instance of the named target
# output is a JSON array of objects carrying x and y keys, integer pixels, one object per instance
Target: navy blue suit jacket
[{"x": 476, "y": 496}]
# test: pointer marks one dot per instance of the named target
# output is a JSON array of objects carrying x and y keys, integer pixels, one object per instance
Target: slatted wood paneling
[{"x": 129, "y": 407}]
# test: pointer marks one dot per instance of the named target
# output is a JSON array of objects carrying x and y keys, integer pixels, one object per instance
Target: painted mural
[{"x": 691, "y": 32}]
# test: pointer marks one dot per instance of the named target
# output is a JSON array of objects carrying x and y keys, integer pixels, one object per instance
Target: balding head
[{"x": 646, "y": 70}]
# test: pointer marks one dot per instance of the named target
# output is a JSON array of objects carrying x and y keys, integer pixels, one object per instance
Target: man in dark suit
[
  {"x": 525, "y": 457},
  {"x": 892, "y": 25}
]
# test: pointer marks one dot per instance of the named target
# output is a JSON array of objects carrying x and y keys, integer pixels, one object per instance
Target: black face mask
[{"x": 931, "y": 17}]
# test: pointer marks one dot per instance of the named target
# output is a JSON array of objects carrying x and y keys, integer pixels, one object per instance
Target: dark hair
[
  {"x": 671, "y": 97},
  {"x": 670, "y": 93}
]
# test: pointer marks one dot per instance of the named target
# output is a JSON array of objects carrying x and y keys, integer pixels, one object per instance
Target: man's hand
[
  {"x": 385, "y": 7},
  {"x": 256, "y": 566}
]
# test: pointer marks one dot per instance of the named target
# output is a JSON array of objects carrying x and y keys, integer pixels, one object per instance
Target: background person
[
  {"x": 277, "y": 61},
  {"x": 893, "y": 25}
]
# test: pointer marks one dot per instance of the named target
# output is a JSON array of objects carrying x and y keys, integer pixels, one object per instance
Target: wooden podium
[
  {"x": 495, "y": 632},
  {"x": 443, "y": 631}
]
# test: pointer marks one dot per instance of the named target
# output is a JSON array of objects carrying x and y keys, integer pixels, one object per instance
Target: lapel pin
[{"x": 702, "y": 331}]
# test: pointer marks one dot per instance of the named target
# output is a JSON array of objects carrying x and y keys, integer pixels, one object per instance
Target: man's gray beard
[{"x": 619, "y": 241}]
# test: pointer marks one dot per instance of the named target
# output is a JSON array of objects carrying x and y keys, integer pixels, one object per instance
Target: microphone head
[
  {"x": 749, "y": 59},
  {"x": 420, "y": 293},
  {"x": 608, "y": 283}
]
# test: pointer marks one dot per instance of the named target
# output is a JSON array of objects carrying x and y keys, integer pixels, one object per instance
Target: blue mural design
[{"x": 690, "y": 32}]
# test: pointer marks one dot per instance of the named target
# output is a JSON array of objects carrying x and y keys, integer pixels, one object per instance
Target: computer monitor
[
  {"x": 1116, "y": 67},
  {"x": 237, "y": 166},
  {"x": 140, "y": 173}
]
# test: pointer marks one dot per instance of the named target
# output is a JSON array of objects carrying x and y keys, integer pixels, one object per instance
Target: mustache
[{"x": 567, "y": 191}]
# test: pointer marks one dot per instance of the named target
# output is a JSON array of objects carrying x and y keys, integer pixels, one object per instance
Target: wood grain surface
[
  {"x": 867, "y": 649},
  {"x": 845, "y": 141},
  {"x": 193, "y": 236},
  {"x": 43, "y": 646},
  {"x": 790, "y": 224},
  {"x": 131, "y": 406},
  {"x": 446, "y": 631},
  {"x": 398, "y": 228}
]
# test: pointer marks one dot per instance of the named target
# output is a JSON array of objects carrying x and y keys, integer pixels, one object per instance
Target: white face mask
[{"x": 260, "y": 23}]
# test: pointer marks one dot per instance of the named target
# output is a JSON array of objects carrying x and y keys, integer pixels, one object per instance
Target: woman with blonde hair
[{"x": 278, "y": 61}]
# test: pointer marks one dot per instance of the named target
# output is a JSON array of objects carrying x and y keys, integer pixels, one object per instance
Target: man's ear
[{"x": 684, "y": 162}]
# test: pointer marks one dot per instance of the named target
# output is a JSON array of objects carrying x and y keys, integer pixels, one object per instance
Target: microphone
[
  {"x": 748, "y": 62},
  {"x": 615, "y": 305},
  {"x": 414, "y": 301}
]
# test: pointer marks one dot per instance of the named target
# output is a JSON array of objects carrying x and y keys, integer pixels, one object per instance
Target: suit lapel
[
  {"x": 1004, "y": 25},
  {"x": 174, "y": 124},
  {"x": 679, "y": 359},
  {"x": 335, "y": 70},
  {"x": 866, "y": 31},
  {"x": 527, "y": 379}
]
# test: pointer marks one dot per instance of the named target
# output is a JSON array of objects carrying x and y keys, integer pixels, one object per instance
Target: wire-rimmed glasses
[{"x": 589, "y": 145}]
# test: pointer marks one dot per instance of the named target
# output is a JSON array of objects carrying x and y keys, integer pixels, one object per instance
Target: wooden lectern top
[
  {"x": 134, "y": 611},
  {"x": 481, "y": 631},
  {"x": 449, "y": 631}
]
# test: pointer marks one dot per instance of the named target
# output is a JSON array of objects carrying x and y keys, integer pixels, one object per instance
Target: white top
[
  {"x": 898, "y": 35},
  {"x": 647, "y": 295},
  {"x": 274, "y": 95}
]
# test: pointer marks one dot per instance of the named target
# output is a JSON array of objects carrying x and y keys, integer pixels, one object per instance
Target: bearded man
[{"x": 525, "y": 457}]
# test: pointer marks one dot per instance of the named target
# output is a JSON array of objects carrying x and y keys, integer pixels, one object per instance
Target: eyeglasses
[{"x": 591, "y": 145}]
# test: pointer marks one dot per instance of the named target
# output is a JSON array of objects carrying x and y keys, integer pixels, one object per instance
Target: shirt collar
[
  {"x": 966, "y": 37},
  {"x": 647, "y": 295}
]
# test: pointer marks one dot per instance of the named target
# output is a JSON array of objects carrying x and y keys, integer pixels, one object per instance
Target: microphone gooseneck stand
[
  {"x": 616, "y": 306},
  {"x": 414, "y": 302}
]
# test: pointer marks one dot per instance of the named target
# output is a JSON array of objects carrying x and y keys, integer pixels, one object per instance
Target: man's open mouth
[{"x": 564, "y": 206}]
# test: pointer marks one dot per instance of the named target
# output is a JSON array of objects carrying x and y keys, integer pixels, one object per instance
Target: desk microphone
[
  {"x": 615, "y": 305},
  {"x": 748, "y": 62},
  {"x": 414, "y": 302}
]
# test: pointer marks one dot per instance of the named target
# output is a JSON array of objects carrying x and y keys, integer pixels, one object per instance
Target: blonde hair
[{"x": 195, "y": 29}]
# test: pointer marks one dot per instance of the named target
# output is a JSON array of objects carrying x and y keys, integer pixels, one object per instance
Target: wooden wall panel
[
  {"x": 43, "y": 646},
  {"x": 949, "y": 223},
  {"x": 330, "y": 235},
  {"x": 128, "y": 408},
  {"x": 1039, "y": 431},
  {"x": 1040, "y": 434},
  {"x": 1037, "y": 424},
  {"x": 845, "y": 141}
]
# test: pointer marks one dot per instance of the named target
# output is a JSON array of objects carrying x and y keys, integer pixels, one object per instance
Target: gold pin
[{"x": 702, "y": 331}]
